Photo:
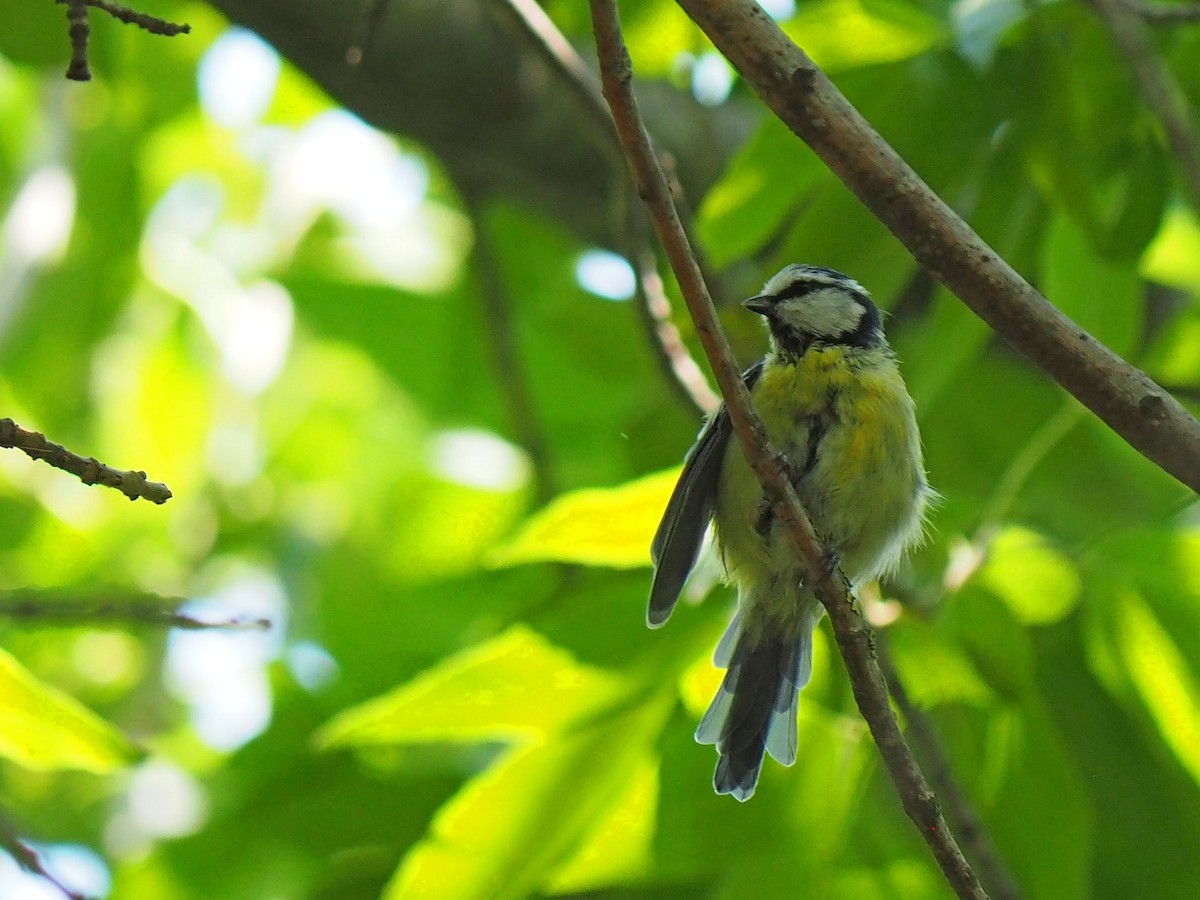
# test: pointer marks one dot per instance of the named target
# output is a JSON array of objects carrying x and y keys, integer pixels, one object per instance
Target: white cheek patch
[{"x": 826, "y": 312}]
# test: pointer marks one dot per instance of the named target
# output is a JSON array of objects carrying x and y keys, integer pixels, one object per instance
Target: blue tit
[{"x": 831, "y": 397}]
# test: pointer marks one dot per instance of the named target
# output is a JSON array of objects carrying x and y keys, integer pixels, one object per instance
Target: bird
[{"x": 833, "y": 402}]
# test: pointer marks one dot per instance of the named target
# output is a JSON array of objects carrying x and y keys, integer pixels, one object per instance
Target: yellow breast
[{"x": 846, "y": 424}]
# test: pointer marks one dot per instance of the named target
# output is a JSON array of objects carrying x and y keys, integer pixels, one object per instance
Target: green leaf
[
  {"x": 594, "y": 526},
  {"x": 45, "y": 729},
  {"x": 1164, "y": 680},
  {"x": 1102, "y": 297},
  {"x": 1173, "y": 257},
  {"x": 759, "y": 190},
  {"x": 515, "y": 686},
  {"x": 508, "y": 831},
  {"x": 1037, "y": 582},
  {"x": 846, "y": 34}
]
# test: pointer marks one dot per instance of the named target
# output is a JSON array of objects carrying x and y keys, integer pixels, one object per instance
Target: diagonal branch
[
  {"x": 51, "y": 609},
  {"x": 77, "y": 19},
  {"x": 851, "y": 629},
  {"x": 654, "y": 311},
  {"x": 1163, "y": 13},
  {"x": 89, "y": 470},
  {"x": 1158, "y": 87},
  {"x": 29, "y": 859},
  {"x": 962, "y": 812},
  {"x": 1146, "y": 416}
]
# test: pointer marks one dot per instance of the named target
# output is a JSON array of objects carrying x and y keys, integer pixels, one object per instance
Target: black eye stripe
[{"x": 799, "y": 289}]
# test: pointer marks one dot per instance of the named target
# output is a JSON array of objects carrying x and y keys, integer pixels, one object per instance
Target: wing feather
[{"x": 680, "y": 534}]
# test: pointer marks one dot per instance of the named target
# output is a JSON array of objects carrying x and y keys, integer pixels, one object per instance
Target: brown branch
[
  {"x": 1158, "y": 87},
  {"x": 89, "y": 470},
  {"x": 851, "y": 629},
  {"x": 50, "y": 609},
  {"x": 967, "y": 823},
  {"x": 77, "y": 22},
  {"x": 685, "y": 372},
  {"x": 654, "y": 310},
  {"x": 1163, "y": 14},
  {"x": 1136, "y": 408},
  {"x": 29, "y": 859},
  {"x": 77, "y": 19}
]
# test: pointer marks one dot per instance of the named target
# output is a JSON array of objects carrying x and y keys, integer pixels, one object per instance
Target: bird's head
[{"x": 806, "y": 305}]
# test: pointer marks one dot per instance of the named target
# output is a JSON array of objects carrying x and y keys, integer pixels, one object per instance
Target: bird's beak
[{"x": 760, "y": 305}]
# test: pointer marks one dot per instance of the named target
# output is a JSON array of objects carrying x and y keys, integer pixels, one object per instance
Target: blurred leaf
[
  {"x": 1173, "y": 257},
  {"x": 1167, "y": 684},
  {"x": 761, "y": 187},
  {"x": 935, "y": 670},
  {"x": 594, "y": 526},
  {"x": 507, "y": 831},
  {"x": 45, "y": 729},
  {"x": 1101, "y": 297},
  {"x": 41, "y": 39},
  {"x": 514, "y": 686},
  {"x": 997, "y": 645},
  {"x": 1039, "y": 584},
  {"x": 619, "y": 846},
  {"x": 845, "y": 34}
]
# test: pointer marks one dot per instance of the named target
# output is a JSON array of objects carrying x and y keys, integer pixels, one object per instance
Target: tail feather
[{"x": 754, "y": 711}]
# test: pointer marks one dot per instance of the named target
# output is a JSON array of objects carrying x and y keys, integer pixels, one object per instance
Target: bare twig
[
  {"x": 544, "y": 38},
  {"x": 655, "y": 307},
  {"x": 960, "y": 810},
  {"x": 685, "y": 373},
  {"x": 1163, "y": 13},
  {"x": 29, "y": 859},
  {"x": 78, "y": 21},
  {"x": 1140, "y": 411},
  {"x": 1158, "y": 87},
  {"x": 850, "y": 628},
  {"x": 161, "y": 612},
  {"x": 144, "y": 21},
  {"x": 89, "y": 470}
]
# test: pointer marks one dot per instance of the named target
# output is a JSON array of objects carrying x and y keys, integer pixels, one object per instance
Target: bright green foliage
[
  {"x": 397, "y": 425},
  {"x": 43, "y": 728},
  {"x": 594, "y": 527},
  {"x": 512, "y": 687}
]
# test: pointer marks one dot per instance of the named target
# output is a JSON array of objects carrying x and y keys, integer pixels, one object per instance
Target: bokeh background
[{"x": 365, "y": 361}]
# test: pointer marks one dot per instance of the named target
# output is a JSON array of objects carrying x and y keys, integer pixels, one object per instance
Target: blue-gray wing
[{"x": 680, "y": 534}]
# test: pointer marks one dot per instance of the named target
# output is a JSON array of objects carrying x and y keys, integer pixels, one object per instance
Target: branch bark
[
  {"x": 1158, "y": 87},
  {"x": 89, "y": 470},
  {"x": 851, "y": 629},
  {"x": 1146, "y": 416}
]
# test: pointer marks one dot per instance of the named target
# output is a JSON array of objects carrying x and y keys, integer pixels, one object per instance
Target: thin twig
[
  {"x": 804, "y": 98},
  {"x": 654, "y": 310},
  {"x": 1163, "y": 13},
  {"x": 77, "y": 18},
  {"x": 88, "y": 469},
  {"x": 144, "y": 21},
  {"x": 1158, "y": 87},
  {"x": 850, "y": 628},
  {"x": 161, "y": 612},
  {"x": 77, "y": 21},
  {"x": 960, "y": 810},
  {"x": 29, "y": 859},
  {"x": 655, "y": 307},
  {"x": 551, "y": 45}
]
